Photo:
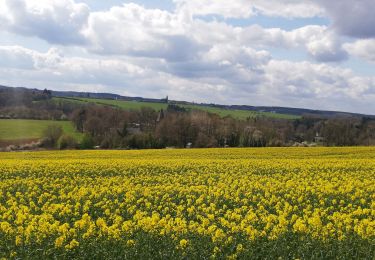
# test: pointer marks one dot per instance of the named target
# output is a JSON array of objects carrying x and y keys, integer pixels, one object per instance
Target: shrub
[
  {"x": 66, "y": 142},
  {"x": 87, "y": 142},
  {"x": 51, "y": 135}
]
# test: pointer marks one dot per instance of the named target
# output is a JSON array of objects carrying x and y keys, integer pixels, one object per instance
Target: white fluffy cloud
[
  {"x": 160, "y": 34},
  {"x": 56, "y": 21},
  {"x": 308, "y": 80},
  {"x": 52, "y": 65},
  {"x": 227, "y": 75},
  {"x": 326, "y": 47},
  {"x": 136, "y": 31},
  {"x": 132, "y": 50},
  {"x": 364, "y": 49},
  {"x": 22, "y": 58},
  {"x": 247, "y": 8},
  {"x": 319, "y": 41}
]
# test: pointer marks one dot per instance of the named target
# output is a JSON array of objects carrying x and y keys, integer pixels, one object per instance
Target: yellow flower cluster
[{"x": 224, "y": 201}]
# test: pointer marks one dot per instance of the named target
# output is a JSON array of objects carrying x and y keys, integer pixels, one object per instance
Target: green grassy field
[
  {"x": 128, "y": 105},
  {"x": 134, "y": 105},
  {"x": 15, "y": 129},
  {"x": 240, "y": 114}
]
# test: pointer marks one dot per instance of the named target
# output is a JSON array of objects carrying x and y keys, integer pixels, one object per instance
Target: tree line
[
  {"x": 176, "y": 127},
  {"x": 110, "y": 127}
]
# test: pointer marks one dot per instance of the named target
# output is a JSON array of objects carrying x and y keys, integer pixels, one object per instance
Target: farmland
[
  {"x": 21, "y": 129},
  {"x": 135, "y": 105},
  {"x": 219, "y": 203}
]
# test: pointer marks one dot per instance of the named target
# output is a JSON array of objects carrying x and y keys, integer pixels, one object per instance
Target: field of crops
[{"x": 271, "y": 203}]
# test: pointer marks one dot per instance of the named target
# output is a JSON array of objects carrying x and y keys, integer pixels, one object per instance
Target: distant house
[
  {"x": 318, "y": 139},
  {"x": 134, "y": 128},
  {"x": 131, "y": 129}
]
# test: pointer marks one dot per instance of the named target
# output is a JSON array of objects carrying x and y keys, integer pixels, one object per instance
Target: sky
[{"x": 314, "y": 54}]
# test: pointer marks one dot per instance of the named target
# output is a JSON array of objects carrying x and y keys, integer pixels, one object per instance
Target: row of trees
[
  {"x": 114, "y": 128},
  {"x": 33, "y": 104}
]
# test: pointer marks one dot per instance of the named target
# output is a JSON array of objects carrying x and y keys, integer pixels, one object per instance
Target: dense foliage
[
  {"x": 176, "y": 127},
  {"x": 275, "y": 203}
]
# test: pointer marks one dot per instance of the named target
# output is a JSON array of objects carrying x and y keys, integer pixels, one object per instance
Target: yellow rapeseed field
[{"x": 268, "y": 203}]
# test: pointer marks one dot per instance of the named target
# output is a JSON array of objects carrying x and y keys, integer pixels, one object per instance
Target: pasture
[
  {"x": 135, "y": 105},
  {"x": 22, "y": 129}
]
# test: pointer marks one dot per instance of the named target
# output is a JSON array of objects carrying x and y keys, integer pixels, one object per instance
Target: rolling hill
[
  {"x": 22, "y": 129},
  {"x": 238, "y": 111},
  {"x": 221, "y": 111}
]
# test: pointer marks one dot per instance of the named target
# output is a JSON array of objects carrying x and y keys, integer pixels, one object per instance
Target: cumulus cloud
[
  {"x": 133, "y": 30},
  {"x": 16, "y": 57},
  {"x": 225, "y": 74},
  {"x": 326, "y": 47},
  {"x": 224, "y": 65},
  {"x": 351, "y": 18},
  {"x": 132, "y": 50},
  {"x": 136, "y": 31},
  {"x": 320, "y": 42},
  {"x": 307, "y": 80},
  {"x": 364, "y": 49},
  {"x": 56, "y": 21},
  {"x": 236, "y": 55},
  {"x": 53, "y": 65},
  {"x": 319, "y": 85},
  {"x": 22, "y": 58},
  {"x": 237, "y": 8},
  {"x": 247, "y": 8}
]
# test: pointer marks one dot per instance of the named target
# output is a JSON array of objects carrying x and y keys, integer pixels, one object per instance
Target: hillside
[
  {"x": 19, "y": 129},
  {"x": 237, "y": 111},
  {"x": 221, "y": 111}
]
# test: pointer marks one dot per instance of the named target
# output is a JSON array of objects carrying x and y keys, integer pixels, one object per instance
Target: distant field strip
[
  {"x": 15, "y": 129},
  {"x": 135, "y": 105}
]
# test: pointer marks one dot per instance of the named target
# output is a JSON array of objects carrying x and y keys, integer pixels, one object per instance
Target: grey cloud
[
  {"x": 151, "y": 52},
  {"x": 230, "y": 65},
  {"x": 352, "y": 17},
  {"x": 326, "y": 48},
  {"x": 132, "y": 30},
  {"x": 58, "y": 22},
  {"x": 262, "y": 81},
  {"x": 16, "y": 57}
]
